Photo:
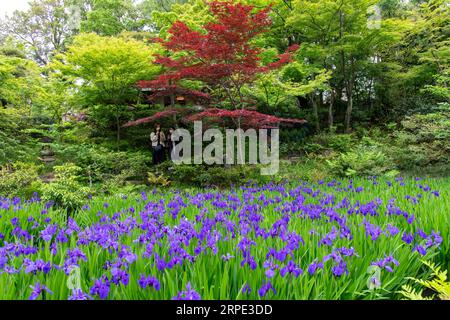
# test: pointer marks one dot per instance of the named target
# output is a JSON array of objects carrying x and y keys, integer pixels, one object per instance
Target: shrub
[
  {"x": 309, "y": 170},
  {"x": 364, "y": 160},
  {"x": 15, "y": 143},
  {"x": 99, "y": 164},
  {"x": 431, "y": 126},
  {"x": 340, "y": 142},
  {"x": 209, "y": 176},
  {"x": 312, "y": 148},
  {"x": 423, "y": 139},
  {"x": 66, "y": 190},
  {"x": 335, "y": 142},
  {"x": 159, "y": 180},
  {"x": 19, "y": 179}
]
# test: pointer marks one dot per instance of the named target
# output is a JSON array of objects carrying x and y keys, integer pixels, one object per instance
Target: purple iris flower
[
  {"x": 265, "y": 288},
  {"x": 247, "y": 289},
  {"x": 270, "y": 273},
  {"x": 291, "y": 268},
  {"x": 149, "y": 282},
  {"x": 36, "y": 266},
  {"x": 388, "y": 263},
  {"x": 188, "y": 294},
  {"x": 48, "y": 232},
  {"x": 314, "y": 266},
  {"x": 72, "y": 226},
  {"x": 78, "y": 294},
  {"x": 119, "y": 276},
  {"x": 437, "y": 238},
  {"x": 408, "y": 237},
  {"x": 420, "y": 249},
  {"x": 227, "y": 257},
  {"x": 15, "y": 221},
  {"x": 339, "y": 269},
  {"x": 101, "y": 287},
  {"x": 61, "y": 237},
  {"x": 37, "y": 290},
  {"x": 392, "y": 230}
]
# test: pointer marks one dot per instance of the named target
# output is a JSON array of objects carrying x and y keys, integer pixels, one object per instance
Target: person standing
[
  {"x": 170, "y": 142},
  {"x": 158, "y": 140}
]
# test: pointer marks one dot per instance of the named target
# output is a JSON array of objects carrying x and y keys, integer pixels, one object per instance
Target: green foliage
[
  {"x": 305, "y": 169},
  {"x": 19, "y": 179},
  {"x": 363, "y": 160},
  {"x": 43, "y": 28},
  {"x": 194, "y": 13},
  {"x": 107, "y": 66},
  {"x": 396, "y": 74},
  {"x": 335, "y": 142},
  {"x": 431, "y": 126},
  {"x": 281, "y": 87},
  {"x": 71, "y": 132},
  {"x": 422, "y": 140},
  {"x": 20, "y": 81},
  {"x": 99, "y": 164},
  {"x": 111, "y": 17},
  {"x": 208, "y": 176},
  {"x": 104, "y": 71},
  {"x": 318, "y": 146},
  {"x": 439, "y": 284},
  {"x": 159, "y": 180},
  {"x": 341, "y": 142},
  {"x": 66, "y": 190},
  {"x": 15, "y": 143}
]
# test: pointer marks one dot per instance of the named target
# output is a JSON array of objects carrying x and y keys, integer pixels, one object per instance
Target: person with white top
[{"x": 158, "y": 140}]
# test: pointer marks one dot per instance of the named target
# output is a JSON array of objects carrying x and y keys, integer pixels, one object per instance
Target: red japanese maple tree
[{"x": 223, "y": 58}]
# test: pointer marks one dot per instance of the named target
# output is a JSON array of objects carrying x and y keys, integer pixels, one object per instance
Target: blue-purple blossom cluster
[{"x": 274, "y": 230}]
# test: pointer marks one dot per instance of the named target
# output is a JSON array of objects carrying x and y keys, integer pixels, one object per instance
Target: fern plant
[
  {"x": 439, "y": 284},
  {"x": 158, "y": 180}
]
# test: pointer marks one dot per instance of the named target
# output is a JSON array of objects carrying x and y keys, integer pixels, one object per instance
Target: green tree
[
  {"x": 435, "y": 25},
  {"x": 194, "y": 13},
  {"x": 149, "y": 7},
  {"x": 111, "y": 17},
  {"x": 20, "y": 80},
  {"x": 281, "y": 88},
  {"x": 104, "y": 71},
  {"x": 337, "y": 35},
  {"x": 43, "y": 28},
  {"x": 416, "y": 68}
]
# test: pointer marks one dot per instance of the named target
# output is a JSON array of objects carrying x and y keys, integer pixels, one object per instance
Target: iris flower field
[{"x": 348, "y": 239}]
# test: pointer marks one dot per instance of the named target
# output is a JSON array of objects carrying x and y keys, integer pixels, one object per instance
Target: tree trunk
[
  {"x": 348, "y": 112},
  {"x": 118, "y": 126},
  {"x": 172, "y": 97},
  {"x": 299, "y": 102},
  {"x": 349, "y": 91},
  {"x": 172, "y": 101},
  {"x": 315, "y": 112},
  {"x": 175, "y": 120},
  {"x": 330, "y": 112}
]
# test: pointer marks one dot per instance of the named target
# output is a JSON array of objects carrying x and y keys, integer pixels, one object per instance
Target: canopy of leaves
[{"x": 106, "y": 68}]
